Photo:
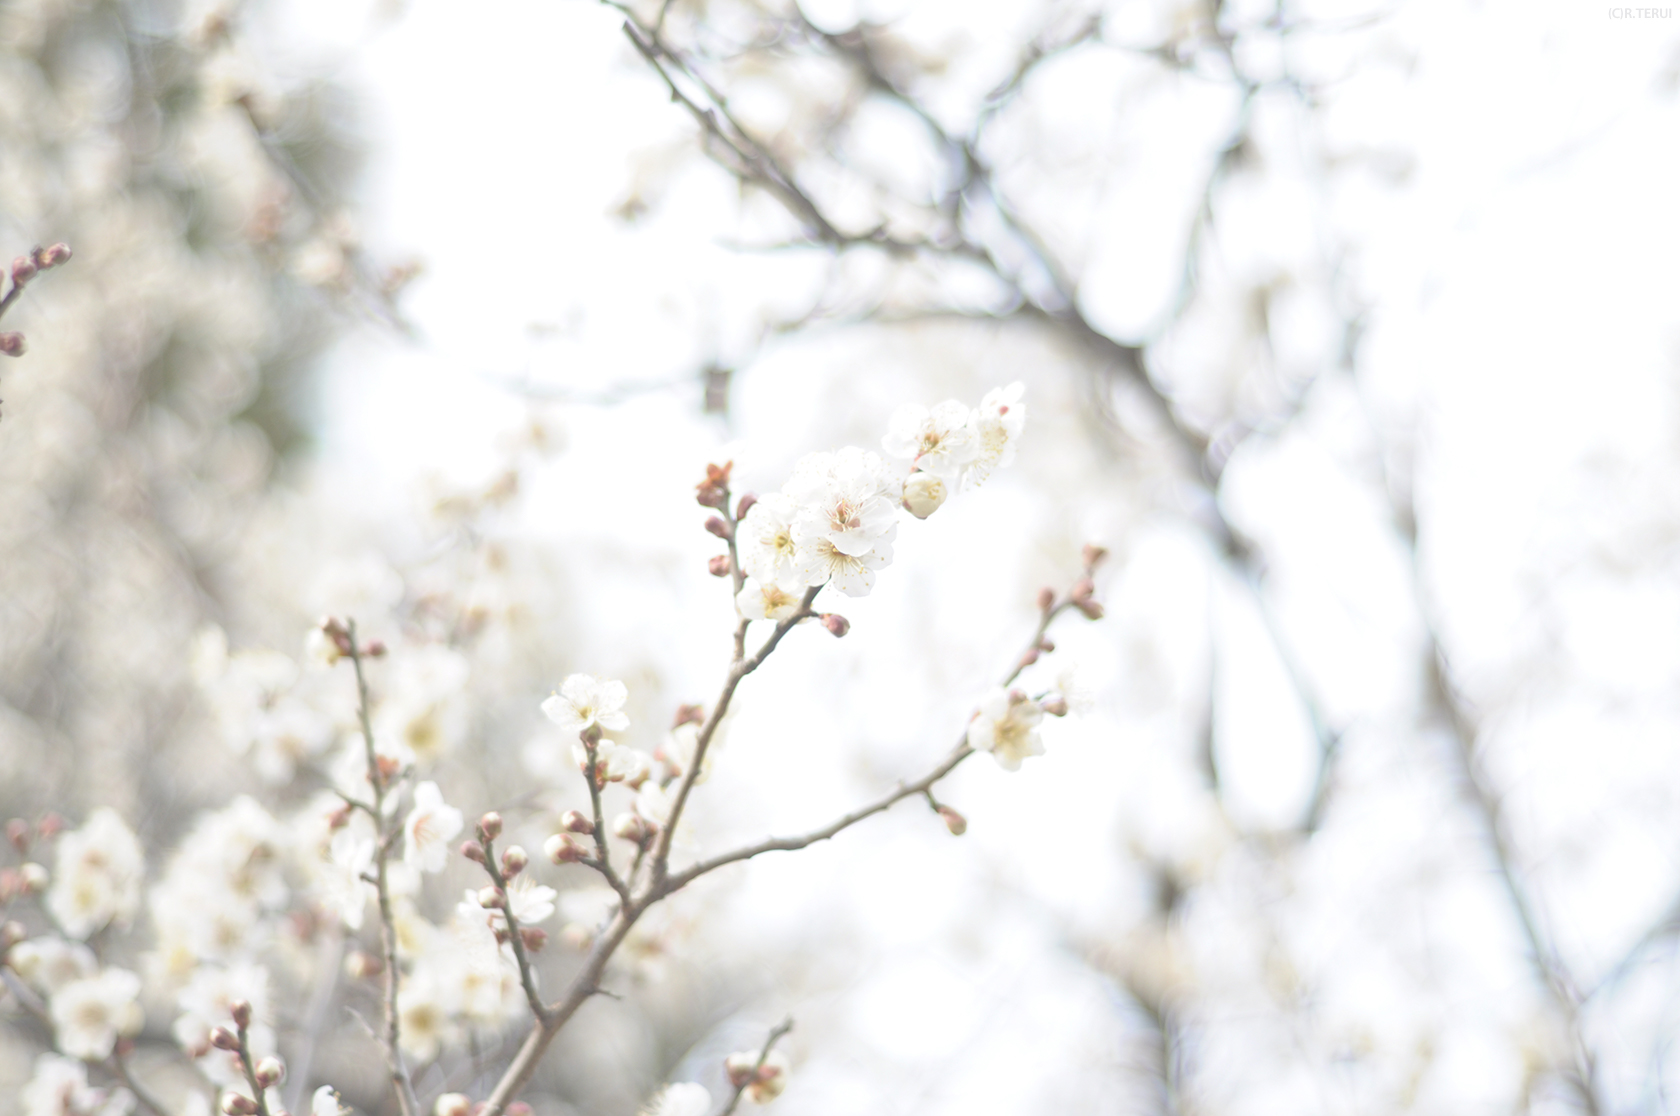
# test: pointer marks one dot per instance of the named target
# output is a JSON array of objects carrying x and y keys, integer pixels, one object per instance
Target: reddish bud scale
[
  {"x": 387, "y": 767},
  {"x": 13, "y": 344},
  {"x": 575, "y": 822},
  {"x": 375, "y": 649},
  {"x": 49, "y": 827},
  {"x": 269, "y": 1072},
  {"x": 1046, "y": 599},
  {"x": 223, "y": 1039},
  {"x": 718, "y": 565},
  {"x": 514, "y": 861},
  {"x": 237, "y": 1104},
  {"x": 1093, "y": 610},
  {"x": 1093, "y": 555},
  {"x": 836, "y": 624},
  {"x": 241, "y": 1012},
  {"x": 23, "y": 270},
  {"x": 955, "y": 822}
]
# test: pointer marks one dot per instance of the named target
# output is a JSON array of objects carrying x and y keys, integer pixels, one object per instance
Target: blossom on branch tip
[
  {"x": 763, "y": 1083},
  {"x": 767, "y": 600},
  {"x": 430, "y": 827},
  {"x": 848, "y": 498},
  {"x": 585, "y": 701},
  {"x": 684, "y": 1099},
  {"x": 853, "y": 574},
  {"x": 940, "y": 441},
  {"x": 765, "y": 539},
  {"x": 98, "y": 875},
  {"x": 998, "y": 422},
  {"x": 924, "y": 494},
  {"x": 1006, "y": 726},
  {"x": 59, "y": 1087}
]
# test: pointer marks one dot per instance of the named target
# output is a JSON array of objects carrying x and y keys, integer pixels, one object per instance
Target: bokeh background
[{"x": 1351, "y": 329}]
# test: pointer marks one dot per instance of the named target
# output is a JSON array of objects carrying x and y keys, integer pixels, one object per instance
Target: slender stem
[
  {"x": 770, "y": 1041},
  {"x": 407, "y": 1102},
  {"x": 603, "y": 856},
  {"x": 147, "y": 1099},
  {"x": 527, "y": 975},
  {"x": 258, "y": 1093}
]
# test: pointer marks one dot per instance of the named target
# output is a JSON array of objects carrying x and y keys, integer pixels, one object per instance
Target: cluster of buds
[
  {"x": 713, "y": 492},
  {"x": 503, "y": 870},
  {"x": 331, "y": 641},
  {"x": 565, "y": 847},
  {"x": 261, "y": 1075},
  {"x": 634, "y": 828},
  {"x": 30, "y": 877},
  {"x": 25, "y": 268},
  {"x": 763, "y": 1076}
]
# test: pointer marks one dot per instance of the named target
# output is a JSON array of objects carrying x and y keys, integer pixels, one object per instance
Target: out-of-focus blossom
[
  {"x": 48, "y": 964},
  {"x": 97, "y": 875},
  {"x": 431, "y": 825},
  {"x": 940, "y": 441},
  {"x": 422, "y": 711},
  {"x": 764, "y": 1083},
  {"x": 998, "y": 422},
  {"x": 765, "y": 539},
  {"x": 325, "y": 1103},
  {"x": 1006, "y": 726},
  {"x": 59, "y": 1087},
  {"x": 90, "y": 1015},
  {"x": 585, "y": 701},
  {"x": 768, "y": 600},
  {"x": 847, "y": 499},
  {"x": 683, "y": 1099}
]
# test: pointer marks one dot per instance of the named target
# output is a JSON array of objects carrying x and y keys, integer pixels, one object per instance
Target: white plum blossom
[
  {"x": 48, "y": 964},
  {"x": 207, "y": 1002},
  {"x": 684, "y": 1099},
  {"x": 615, "y": 763},
  {"x": 59, "y": 1087},
  {"x": 924, "y": 494},
  {"x": 998, "y": 422},
  {"x": 426, "y": 1023},
  {"x": 1006, "y": 726},
  {"x": 341, "y": 885},
  {"x": 764, "y": 1082},
  {"x": 423, "y": 708},
  {"x": 90, "y": 1015},
  {"x": 765, "y": 539},
  {"x": 940, "y": 441},
  {"x": 530, "y": 901},
  {"x": 585, "y": 701},
  {"x": 654, "y": 803},
  {"x": 97, "y": 875},
  {"x": 325, "y": 1103},
  {"x": 848, "y": 499},
  {"x": 768, "y": 600},
  {"x": 853, "y": 574},
  {"x": 431, "y": 825}
]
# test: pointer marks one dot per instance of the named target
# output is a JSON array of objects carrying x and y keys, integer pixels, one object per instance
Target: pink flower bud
[
  {"x": 745, "y": 505},
  {"x": 375, "y": 649},
  {"x": 49, "y": 827},
  {"x": 339, "y": 818},
  {"x": 630, "y": 828},
  {"x": 491, "y": 898},
  {"x": 740, "y": 1067},
  {"x": 241, "y": 1012},
  {"x": 718, "y": 565},
  {"x": 1046, "y": 599},
  {"x": 955, "y": 822},
  {"x": 23, "y": 270},
  {"x": 238, "y": 1104},
  {"x": 270, "y": 1071},
  {"x": 1046, "y": 646},
  {"x": 387, "y": 767},
  {"x": 575, "y": 821},
  {"x": 713, "y": 492},
  {"x": 1030, "y": 657},
  {"x": 17, "y": 832},
  {"x": 490, "y": 826},
  {"x": 836, "y": 624},
  {"x": 1056, "y": 706},
  {"x": 13, "y": 344},
  {"x": 223, "y": 1039},
  {"x": 1082, "y": 588},
  {"x": 533, "y": 937},
  {"x": 34, "y": 877},
  {"x": 717, "y": 526},
  {"x": 52, "y": 257},
  {"x": 473, "y": 851},
  {"x": 563, "y": 848},
  {"x": 1093, "y": 555},
  {"x": 514, "y": 861},
  {"x": 1093, "y": 610},
  {"x": 453, "y": 1104}
]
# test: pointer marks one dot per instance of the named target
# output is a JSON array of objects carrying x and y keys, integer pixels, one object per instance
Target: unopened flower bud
[
  {"x": 955, "y": 822},
  {"x": 713, "y": 492},
  {"x": 745, "y": 505},
  {"x": 34, "y": 877},
  {"x": 17, "y": 832},
  {"x": 270, "y": 1071},
  {"x": 1030, "y": 657},
  {"x": 52, "y": 257},
  {"x": 534, "y": 938},
  {"x": 575, "y": 821},
  {"x": 924, "y": 494},
  {"x": 1082, "y": 588},
  {"x": 1093, "y": 555},
  {"x": 630, "y": 827},
  {"x": 1056, "y": 706},
  {"x": 362, "y": 965},
  {"x": 1046, "y": 599},
  {"x": 836, "y": 624},
  {"x": 740, "y": 1067},
  {"x": 718, "y": 565},
  {"x": 514, "y": 861},
  {"x": 238, "y": 1104},
  {"x": 23, "y": 270},
  {"x": 453, "y": 1104},
  {"x": 387, "y": 767},
  {"x": 11, "y": 934},
  {"x": 339, "y": 818},
  {"x": 491, "y": 898},
  {"x": 241, "y": 1012},
  {"x": 688, "y": 715},
  {"x": 223, "y": 1039},
  {"x": 717, "y": 526},
  {"x": 375, "y": 649},
  {"x": 490, "y": 826},
  {"x": 563, "y": 848},
  {"x": 12, "y": 344},
  {"x": 50, "y": 826},
  {"x": 1093, "y": 610},
  {"x": 473, "y": 851},
  {"x": 1046, "y": 645}
]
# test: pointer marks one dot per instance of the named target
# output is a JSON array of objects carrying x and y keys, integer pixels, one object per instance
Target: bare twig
[{"x": 527, "y": 972}]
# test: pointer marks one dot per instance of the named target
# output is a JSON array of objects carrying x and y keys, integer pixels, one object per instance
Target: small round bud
[
  {"x": 49, "y": 827},
  {"x": 490, "y": 826},
  {"x": 1046, "y": 599},
  {"x": 924, "y": 494},
  {"x": 52, "y": 257},
  {"x": 491, "y": 898},
  {"x": 473, "y": 851},
  {"x": 13, "y": 344},
  {"x": 270, "y": 1071},
  {"x": 576, "y": 821},
  {"x": 1093, "y": 555},
  {"x": 238, "y": 1104},
  {"x": 241, "y": 1012},
  {"x": 1046, "y": 645},
  {"x": 34, "y": 877},
  {"x": 362, "y": 965},
  {"x": 688, "y": 715},
  {"x": 745, "y": 506},
  {"x": 23, "y": 270},
  {"x": 534, "y": 938},
  {"x": 1093, "y": 610},
  {"x": 1082, "y": 588},
  {"x": 563, "y": 848},
  {"x": 11, "y": 934},
  {"x": 17, "y": 832},
  {"x": 630, "y": 827},
  {"x": 740, "y": 1067},
  {"x": 1056, "y": 706},
  {"x": 387, "y": 767},
  {"x": 375, "y": 649},
  {"x": 955, "y": 822},
  {"x": 514, "y": 861},
  {"x": 836, "y": 624},
  {"x": 223, "y": 1039},
  {"x": 770, "y": 1079},
  {"x": 717, "y": 526},
  {"x": 718, "y": 565},
  {"x": 1030, "y": 657},
  {"x": 453, "y": 1104}
]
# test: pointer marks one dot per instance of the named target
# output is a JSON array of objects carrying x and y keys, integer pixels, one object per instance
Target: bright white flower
[
  {"x": 1070, "y": 683},
  {"x": 585, "y": 700},
  {"x": 97, "y": 876},
  {"x": 685, "y": 1099},
  {"x": 325, "y": 1103},
  {"x": 530, "y": 901},
  {"x": 997, "y": 423},
  {"x": 940, "y": 441},
  {"x": 426, "y": 1026},
  {"x": 924, "y": 493},
  {"x": 431, "y": 825},
  {"x": 59, "y": 1087},
  {"x": 341, "y": 886},
  {"x": 853, "y": 574},
  {"x": 654, "y": 802},
  {"x": 48, "y": 964},
  {"x": 1006, "y": 727},
  {"x": 768, "y": 600},
  {"x": 848, "y": 498},
  {"x": 765, "y": 539},
  {"x": 89, "y": 1015}
]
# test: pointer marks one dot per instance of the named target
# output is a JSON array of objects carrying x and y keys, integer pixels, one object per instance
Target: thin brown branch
[{"x": 527, "y": 972}]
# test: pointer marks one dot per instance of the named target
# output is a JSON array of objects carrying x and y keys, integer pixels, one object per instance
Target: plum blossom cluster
[{"x": 835, "y": 519}]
